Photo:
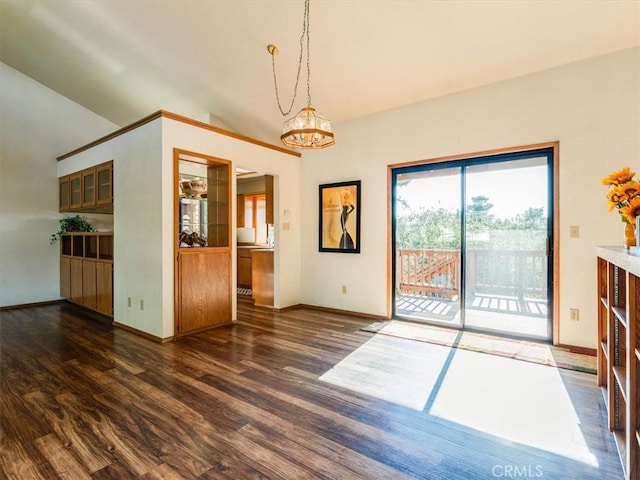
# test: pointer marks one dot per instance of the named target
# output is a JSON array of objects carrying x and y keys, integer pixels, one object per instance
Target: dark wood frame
[
  {"x": 556, "y": 218},
  {"x": 328, "y": 215}
]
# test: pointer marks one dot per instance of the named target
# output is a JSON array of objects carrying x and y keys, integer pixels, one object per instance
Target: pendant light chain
[
  {"x": 308, "y": 128},
  {"x": 306, "y": 17},
  {"x": 305, "y": 33}
]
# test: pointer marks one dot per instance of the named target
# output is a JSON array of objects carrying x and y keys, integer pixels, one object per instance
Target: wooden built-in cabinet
[
  {"x": 90, "y": 190},
  {"x": 86, "y": 270},
  {"x": 203, "y": 280},
  {"x": 75, "y": 191},
  {"x": 268, "y": 191},
  {"x": 619, "y": 349},
  {"x": 244, "y": 267},
  {"x": 262, "y": 277},
  {"x": 240, "y": 220}
]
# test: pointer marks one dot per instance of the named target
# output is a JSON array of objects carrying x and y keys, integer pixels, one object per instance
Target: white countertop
[{"x": 625, "y": 258}]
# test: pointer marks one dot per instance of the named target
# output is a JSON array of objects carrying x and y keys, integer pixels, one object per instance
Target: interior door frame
[{"x": 554, "y": 191}]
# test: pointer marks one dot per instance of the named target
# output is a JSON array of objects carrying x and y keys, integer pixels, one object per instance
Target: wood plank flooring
[{"x": 83, "y": 400}]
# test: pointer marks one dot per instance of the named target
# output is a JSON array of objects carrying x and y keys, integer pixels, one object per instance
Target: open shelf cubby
[
  {"x": 86, "y": 270},
  {"x": 618, "y": 277}
]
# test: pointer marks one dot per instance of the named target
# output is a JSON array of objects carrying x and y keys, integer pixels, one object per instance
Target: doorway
[{"x": 472, "y": 243}]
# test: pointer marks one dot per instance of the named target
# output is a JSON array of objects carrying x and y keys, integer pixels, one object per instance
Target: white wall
[
  {"x": 591, "y": 107},
  {"x": 143, "y": 215},
  {"x": 36, "y": 126},
  {"x": 287, "y": 171},
  {"x": 137, "y": 222}
]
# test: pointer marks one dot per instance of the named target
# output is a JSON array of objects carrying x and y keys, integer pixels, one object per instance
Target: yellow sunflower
[
  {"x": 631, "y": 210},
  {"x": 617, "y": 178},
  {"x": 619, "y": 195},
  {"x": 624, "y": 194}
]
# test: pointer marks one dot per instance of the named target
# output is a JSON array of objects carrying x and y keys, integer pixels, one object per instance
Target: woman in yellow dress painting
[{"x": 346, "y": 241}]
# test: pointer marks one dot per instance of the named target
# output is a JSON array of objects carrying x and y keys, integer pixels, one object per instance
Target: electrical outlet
[
  {"x": 128, "y": 301},
  {"x": 344, "y": 289},
  {"x": 141, "y": 304},
  {"x": 574, "y": 314}
]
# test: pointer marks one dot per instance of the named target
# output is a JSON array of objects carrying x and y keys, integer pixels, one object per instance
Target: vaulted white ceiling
[{"x": 127, "y": 59}]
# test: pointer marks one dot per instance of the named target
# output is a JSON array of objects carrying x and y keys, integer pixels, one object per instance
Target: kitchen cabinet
[
  {"x": 262, "y": 277},
  {"x": 244, "y": 267},
  {"x": 240, "y": 208},
  {"x": 268, "y": 190}
]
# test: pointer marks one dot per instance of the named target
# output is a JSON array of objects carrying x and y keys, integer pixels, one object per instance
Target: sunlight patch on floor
[
  {"x": 515, "y": 400},
  {"x": 392, "y": 369},
  {"x": 518, "y": 401}
]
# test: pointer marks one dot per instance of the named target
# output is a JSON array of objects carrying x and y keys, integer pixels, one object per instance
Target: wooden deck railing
[
  {"x": 433, "y": 272},
  {"x": 515, "y": 273}
]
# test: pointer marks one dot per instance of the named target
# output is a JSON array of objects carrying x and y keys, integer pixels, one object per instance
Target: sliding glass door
[
  {"x": 428, "y": 244},
  {"x": 471, "y": 243}
]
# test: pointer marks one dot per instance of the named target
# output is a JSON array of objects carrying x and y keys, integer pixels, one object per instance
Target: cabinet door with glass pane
[
  {"x": 75, "y": 191},
  {"x": 63, "y": 193},
  {"x": 104, "y": 184},
  {"x": 203, "y": 215},
  {"x": 88, "y": 187},
  {"x": 89, "y": 190}
]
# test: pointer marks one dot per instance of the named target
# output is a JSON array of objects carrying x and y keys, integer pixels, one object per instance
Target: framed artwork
[{"x": 339, "y": 229}]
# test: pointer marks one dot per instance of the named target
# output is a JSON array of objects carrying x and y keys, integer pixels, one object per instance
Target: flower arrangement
[{"x": 624, "y": 194}]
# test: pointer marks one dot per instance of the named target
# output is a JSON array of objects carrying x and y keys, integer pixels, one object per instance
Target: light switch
[
  {"x": 286, "y": 226},
  {"x": 574, "y": 231}
]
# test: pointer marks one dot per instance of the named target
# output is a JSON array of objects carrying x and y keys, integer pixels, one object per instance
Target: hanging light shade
[{"x": 308, "y": 129}]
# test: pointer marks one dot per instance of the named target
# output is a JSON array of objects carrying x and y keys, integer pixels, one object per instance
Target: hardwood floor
[{"x": 80, "y": 399}]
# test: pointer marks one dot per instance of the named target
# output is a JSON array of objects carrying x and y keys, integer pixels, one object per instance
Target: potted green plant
[{"x": 76, "y": 223}]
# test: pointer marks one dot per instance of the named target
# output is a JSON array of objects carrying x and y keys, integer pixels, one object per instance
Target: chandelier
[{"x": 309, "y": 128}]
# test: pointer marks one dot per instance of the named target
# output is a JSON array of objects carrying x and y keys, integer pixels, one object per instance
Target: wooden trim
[
  {"x": 498, "y": 151},
  {"x": 581, "y": 350},
  {"x": 484, "y": 153},
  {"x": 556, "y": 243},
  {"x": 176, "y": 241},
  {"x": 290, "y": 307},
  {"x": 89, "y": 312},
  {"x": 30, "y": 305},
  {"x": 228, "y": 133},
  {"x": 113, "y": 135},
  {"x": 142, "y": 334},
  {"x": 182, "y": 119},
  {"x": 178, "y": 336},
  {"x": 340, "y": 312},
  {"x": 390, "y": 252}
]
